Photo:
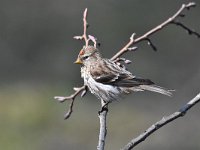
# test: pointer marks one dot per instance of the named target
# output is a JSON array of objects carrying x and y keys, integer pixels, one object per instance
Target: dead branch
[
  {"x": 102, "y": 128},
  {"x": 82, "y": 90},
  {"x": 162, "y": 122},
  {"x": 85, "y": 26},
  {"x": 154, "y": 30},
  {"x": 86, "y": 37}
]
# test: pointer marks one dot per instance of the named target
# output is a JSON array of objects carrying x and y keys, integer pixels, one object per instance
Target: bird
[{"x": 109, "y": 81}]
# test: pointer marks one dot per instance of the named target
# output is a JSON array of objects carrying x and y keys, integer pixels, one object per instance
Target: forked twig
[
  {"x": 86, "y": 37},
  {"x": 72, "y": 97},
  {"x": 162, "y": 122},
  {"x": 152, "y": 31}
]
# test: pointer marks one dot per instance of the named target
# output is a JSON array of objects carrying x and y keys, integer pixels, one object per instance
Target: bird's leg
[{"x": 104, "y": 107}]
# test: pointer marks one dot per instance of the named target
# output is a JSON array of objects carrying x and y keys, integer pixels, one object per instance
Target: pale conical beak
[{"x": 78, "y": 61}]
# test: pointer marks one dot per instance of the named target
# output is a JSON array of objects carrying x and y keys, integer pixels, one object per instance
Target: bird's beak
[{"x": 78, "y": 61}]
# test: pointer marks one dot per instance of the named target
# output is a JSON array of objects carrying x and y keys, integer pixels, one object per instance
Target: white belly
[{"x": 102, "y": 91}]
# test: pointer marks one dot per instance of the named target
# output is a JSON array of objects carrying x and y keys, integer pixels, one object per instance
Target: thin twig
[
  {"x": 125, "y": 48},
  {"x": 85, "y": 26},
  {"x": 186, "y": 28},
  {"x": 93, "y": 39},
  {"x": 72, "y": 97},
  {"x": 102, "y": 129},
  {"x": 154, "y": 30},
  {"x": 86, "y": 37},
  {"x": 70, "y": 110},
  {"x": 162, "y": 122}
]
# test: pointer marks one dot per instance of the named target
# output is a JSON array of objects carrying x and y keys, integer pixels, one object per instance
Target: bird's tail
[{"x": 158, "y": 89}]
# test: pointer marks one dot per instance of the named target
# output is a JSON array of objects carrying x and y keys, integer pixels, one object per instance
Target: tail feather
[{"x": 158, "y": 89}]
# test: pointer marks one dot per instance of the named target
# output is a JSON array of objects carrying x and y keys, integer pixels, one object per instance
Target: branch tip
[
  {"x": 60, "y": 98},
  {"x": 70, "y": 110},
  {"x": 127, "y": 61},
  {"x": 132, "y": 36},
  {"x": 132, "y": 48},
  {"x": 189, "y": 5},
  {"x": 85, "y": 13},
  {"x": 93, "y": 39},
  {"x": 78, "y": 37}
]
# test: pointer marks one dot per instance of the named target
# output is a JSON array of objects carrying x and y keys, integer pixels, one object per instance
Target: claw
[{"x": 103, "y": 108}]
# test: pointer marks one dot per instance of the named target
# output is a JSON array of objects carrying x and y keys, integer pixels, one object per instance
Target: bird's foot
[{"x": 104, "y": 108}]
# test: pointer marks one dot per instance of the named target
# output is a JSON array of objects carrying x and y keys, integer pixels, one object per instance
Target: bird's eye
[{"x": 85, "y": 57}]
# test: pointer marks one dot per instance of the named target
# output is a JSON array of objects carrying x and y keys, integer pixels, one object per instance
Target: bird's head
[{"x": 88, "y": 55}]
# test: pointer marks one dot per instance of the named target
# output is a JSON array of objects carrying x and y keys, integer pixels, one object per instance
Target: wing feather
[{"x": 109, "y": 73}]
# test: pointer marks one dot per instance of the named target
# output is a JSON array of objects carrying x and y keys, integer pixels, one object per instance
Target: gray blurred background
[{"x": 37, "y": 52}]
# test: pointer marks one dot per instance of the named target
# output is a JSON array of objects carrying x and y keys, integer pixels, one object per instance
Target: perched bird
[{"x": 107, "y": 80}]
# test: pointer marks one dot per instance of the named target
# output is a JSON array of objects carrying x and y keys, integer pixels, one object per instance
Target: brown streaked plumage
[{"x": 107, "y": 80}]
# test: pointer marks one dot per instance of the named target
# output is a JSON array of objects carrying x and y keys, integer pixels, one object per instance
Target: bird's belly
[{"x": 102, "y": 91}]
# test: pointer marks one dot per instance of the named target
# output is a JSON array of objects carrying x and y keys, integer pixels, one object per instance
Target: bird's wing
[{"x": 109, "y": 73}]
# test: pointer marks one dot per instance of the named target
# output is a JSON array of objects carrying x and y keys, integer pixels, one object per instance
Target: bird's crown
[{"x": 87, "y": 50}]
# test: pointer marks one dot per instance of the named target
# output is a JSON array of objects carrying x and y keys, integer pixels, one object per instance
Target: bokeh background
[{"x": 37, "y": 52}]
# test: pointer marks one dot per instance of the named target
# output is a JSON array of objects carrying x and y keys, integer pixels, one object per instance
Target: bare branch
[
  {"x": 85, "y": 26},
  {"x": 125, "y": 48},
  {"x": 154, "y": 30},
  {"x": 93, "y": 39},
  {"x": 162, "y": 122},
  {"x": 82, "y": 90},
  {"x": 86, "y": 37},
  {"x": 72, "y": 96},
  {"x": 70, "y": 110},
  {"x": 102, "y": 129}
]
